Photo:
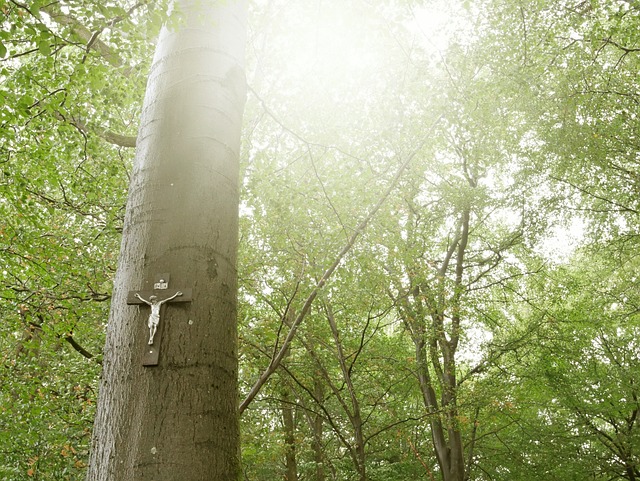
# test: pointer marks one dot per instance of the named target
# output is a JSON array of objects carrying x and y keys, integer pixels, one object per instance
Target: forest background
[{"x": 488, "y": 310}]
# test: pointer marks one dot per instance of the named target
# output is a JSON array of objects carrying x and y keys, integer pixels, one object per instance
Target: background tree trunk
[
  {"x": 318, "y": 431},
  {"x": 179, "y": 420},
  {"x": 289, "y": 424}
]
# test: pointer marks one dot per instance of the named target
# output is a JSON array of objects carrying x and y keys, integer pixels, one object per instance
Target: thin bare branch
[{"x": 275, "y": 362}]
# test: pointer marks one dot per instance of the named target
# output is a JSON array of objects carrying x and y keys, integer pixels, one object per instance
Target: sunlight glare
[{"x": 437, "y": 23}]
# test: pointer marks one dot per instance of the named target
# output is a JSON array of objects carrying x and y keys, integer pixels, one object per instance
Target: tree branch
[
  {"x": 69, "y": 338},
  {"x": 88, "y": 37},
  {"x": 107, "y": 135},
  {"x": 275, "y": 362}
]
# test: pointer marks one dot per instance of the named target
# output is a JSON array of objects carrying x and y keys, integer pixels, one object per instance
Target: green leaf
[
  {"x": 44, "y": 47},
  {"x": 3, "y": 50}
]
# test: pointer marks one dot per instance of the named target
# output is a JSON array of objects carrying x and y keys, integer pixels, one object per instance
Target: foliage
[{"x": 519, "y": 126}]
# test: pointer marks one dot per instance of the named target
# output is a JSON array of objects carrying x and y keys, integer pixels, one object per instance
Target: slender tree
[{"x": 178, "y": 420}]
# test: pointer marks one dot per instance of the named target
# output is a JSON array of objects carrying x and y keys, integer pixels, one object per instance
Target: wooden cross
[{"x": 156, "y": 299}]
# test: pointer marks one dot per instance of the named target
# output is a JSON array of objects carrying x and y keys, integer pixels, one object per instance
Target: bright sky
[
  {"x": 337, "y": 52},
  {"x": 436, "y": 22}
]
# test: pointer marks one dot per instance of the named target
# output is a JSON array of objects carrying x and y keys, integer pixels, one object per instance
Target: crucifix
[{"x": 156, "y": 299}]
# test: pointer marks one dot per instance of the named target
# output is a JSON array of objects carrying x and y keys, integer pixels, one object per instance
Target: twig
[{"x": 275, "y": 362}]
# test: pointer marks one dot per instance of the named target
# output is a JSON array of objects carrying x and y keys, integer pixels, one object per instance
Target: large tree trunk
[{"x": 178, "y": 420}]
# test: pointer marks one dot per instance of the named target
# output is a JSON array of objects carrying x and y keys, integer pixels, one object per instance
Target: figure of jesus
[{"x": 154, "y": 317}]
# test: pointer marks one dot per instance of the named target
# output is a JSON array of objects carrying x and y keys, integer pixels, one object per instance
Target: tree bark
[
  {"x": 318, "y": 432},
  {"x": 179, "y": 420},
  {"x": 288, "y": 421}
]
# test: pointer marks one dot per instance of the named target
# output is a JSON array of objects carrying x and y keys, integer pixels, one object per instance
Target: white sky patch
[
  {"x": 438, "y": 22},
  {"x": 430, "y": 23},
  {"x": 562, "y": 241},
  {"x": 472, "y": 352}
]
